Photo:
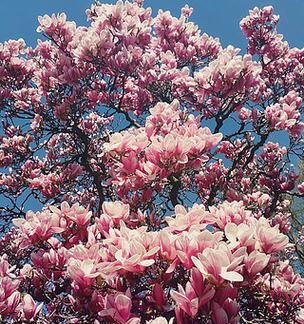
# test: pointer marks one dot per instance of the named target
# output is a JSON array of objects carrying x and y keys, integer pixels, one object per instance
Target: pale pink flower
[
  {"x": 167, "y": 245},
  {"x": 116, "y": 210},
  {"x": 37, "y": 227},
  {"x": 189, "y": 244},
  {"x": 270, "y": 240},
  {"x": 30, "y": 308},
  {"x": 78, "y": 214},
  {"x": 82, "y": 271},
  {"x": 229, "y": 212},
  {"x": 286, "y": 114},
  {"x": 194, "y": 296},
  {"x": 183, "y": 220},
  {"x": 220, "y": 264},
  {"x": 186, "y": 300},
  {"x": 134, "y": 257},
  {"x": 255, "y": 262},
  {"x": 240, "y": 235}
]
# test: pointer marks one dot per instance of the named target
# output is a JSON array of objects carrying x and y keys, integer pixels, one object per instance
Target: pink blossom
[
  {"x": 147, "y": 214},
  {"x": 220, "y": 264},
  {"x": 38, "y": 226},
  {"x": 187, "y": 300},
  {"x": 284, "y": 115},
  {"x": 82, "y": 271},
  {"x": 30, "y": 308},
  {"x": 118, "y": 307},
  {"x": 301, "y": 188},
  {"x": 197, "y": 216},
  {"x": 256, "y": 262},
  {"x": 225, "y": 313},
  {"x": 117, "y": 211},
  {"x": 227, "y": 212},
  {"x": 81, "y": 216},
  {"x": 270, "y": 239}
]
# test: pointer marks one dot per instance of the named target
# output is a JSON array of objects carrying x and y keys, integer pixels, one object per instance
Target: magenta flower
[{"x": 118, "y": 307}]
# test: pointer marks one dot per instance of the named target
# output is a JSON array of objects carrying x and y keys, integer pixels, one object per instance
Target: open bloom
[
  {"x": 218, "y": 265},
  {"x": 186, "y": 300},
  {"x": 194, "y": 296},
  {"x": 255, "y": 262},
  {"x": 82, "y": 271},
  {"x": 118, "y": 307},
  {"x": 270, "y": 240},
  {"x": 196, "y": 216},
  {"x": 134, "y": 257},
  {"x": 30, "y": 308},
  {"x": 38, "y": 226},
  {"x": 117, "y": 211},
  {"x": 78, "y": 214}
]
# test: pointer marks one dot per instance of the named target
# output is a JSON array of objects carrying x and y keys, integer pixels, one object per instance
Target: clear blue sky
[{"x": 18, "y": 18}]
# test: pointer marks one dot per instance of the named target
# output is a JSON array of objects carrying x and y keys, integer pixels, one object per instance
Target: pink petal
[{"x": 232, "y": 276}]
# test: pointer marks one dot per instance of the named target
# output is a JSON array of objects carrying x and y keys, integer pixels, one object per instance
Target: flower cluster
[
  {"x": 170, "y": 143},
  {"x": 286, "y": 114},
  {"x": 122, "y": 273},
  {"x": 152, "y": 151}
]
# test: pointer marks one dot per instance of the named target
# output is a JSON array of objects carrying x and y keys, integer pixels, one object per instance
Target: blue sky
[{"x": 215, "y": 17}]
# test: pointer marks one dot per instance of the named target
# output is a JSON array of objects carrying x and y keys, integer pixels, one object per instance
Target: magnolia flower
[
  {"x": 220, "y": 264},
  {"x": 225, "y": 313},
  {"x": 117, "y": 211},
  {"x": 270, "y": 240},
  {"x": 183, "y": 220},
  {"x": 82, "y": 271},
  {"x": 118, "y": 307},
  {"x": 229, "y": 212},
  {"x": 30, "y": 308},
  {"x": 78, "y": 214},
  {"x": 37, "y": 226},
  {"x": 194, "y": 296},
  {"x": 239, "y": 235},
  {"x": 186, "y": 300},
  {"x": 134, "y": 257},
  {"x": 255, "y": 262}
]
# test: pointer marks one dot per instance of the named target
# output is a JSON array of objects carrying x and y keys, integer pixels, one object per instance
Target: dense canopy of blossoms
[{"x": 152, "y": 152}]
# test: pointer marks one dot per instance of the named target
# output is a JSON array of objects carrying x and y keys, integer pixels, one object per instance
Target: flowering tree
[{"x": 150, "y": 148}]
